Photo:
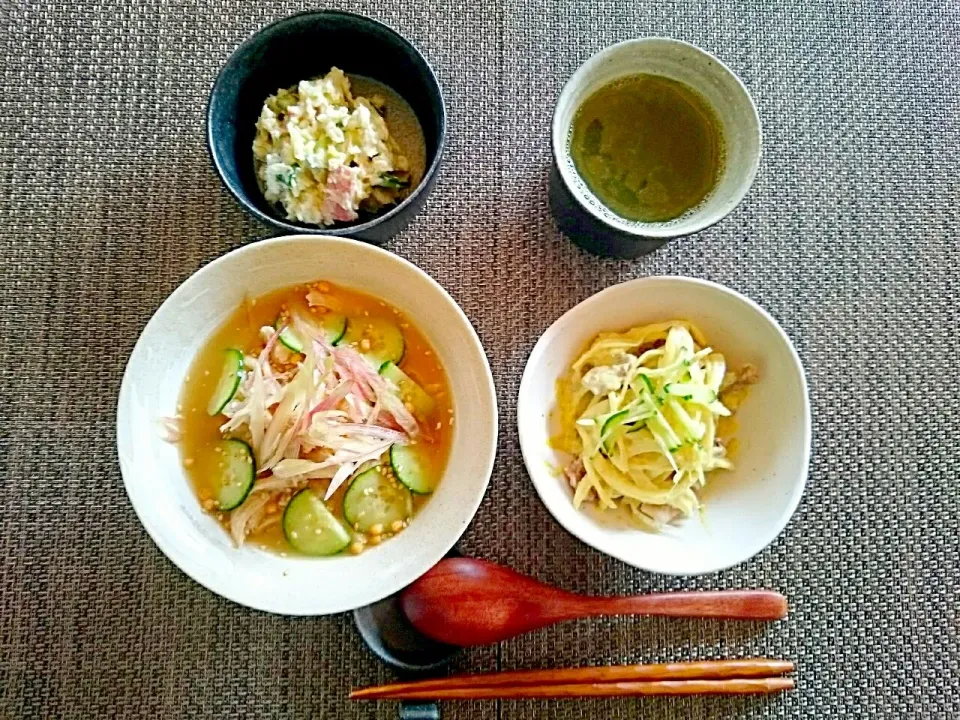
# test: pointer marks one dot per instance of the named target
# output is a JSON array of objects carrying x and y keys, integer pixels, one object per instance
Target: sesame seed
[{"x": 187, "y": 462}]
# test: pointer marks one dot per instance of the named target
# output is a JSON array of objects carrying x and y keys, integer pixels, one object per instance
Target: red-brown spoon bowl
[{"x": 464, "y": 601}]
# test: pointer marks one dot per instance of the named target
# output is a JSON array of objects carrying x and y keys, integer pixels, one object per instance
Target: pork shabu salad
[
  {"x": 646, "y": 417},
  {"x": 317, "y": 420}
]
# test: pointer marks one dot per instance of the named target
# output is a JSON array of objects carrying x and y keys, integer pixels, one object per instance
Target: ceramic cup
[{"x": 578, "y": 211}]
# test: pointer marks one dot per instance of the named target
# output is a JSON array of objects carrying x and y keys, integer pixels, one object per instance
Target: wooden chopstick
[
  {"x": 737, "y": 686},
  {"x": 716, "y": 676}
]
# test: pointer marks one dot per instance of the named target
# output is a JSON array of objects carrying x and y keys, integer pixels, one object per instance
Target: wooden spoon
[{"x": 464, "y": 601}]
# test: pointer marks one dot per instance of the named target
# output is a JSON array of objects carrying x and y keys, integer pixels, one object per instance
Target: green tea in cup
[{"x": 649, "y": 148}]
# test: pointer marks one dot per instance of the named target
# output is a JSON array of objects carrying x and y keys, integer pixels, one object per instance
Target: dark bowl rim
[{"x": 347, "y": 230}]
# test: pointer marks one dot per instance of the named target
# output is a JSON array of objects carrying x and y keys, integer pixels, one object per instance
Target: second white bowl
[
  {"x": 162, "y": 496},
  {"x": 746, "y": 508}
]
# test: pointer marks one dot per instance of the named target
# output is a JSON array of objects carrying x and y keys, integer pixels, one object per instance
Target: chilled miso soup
[
  {"x": 316, "y": 420},
  {"x": 650, "y": 148}
]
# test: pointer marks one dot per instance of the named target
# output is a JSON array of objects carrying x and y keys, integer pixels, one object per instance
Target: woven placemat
[{"x": 107, "y": 202}]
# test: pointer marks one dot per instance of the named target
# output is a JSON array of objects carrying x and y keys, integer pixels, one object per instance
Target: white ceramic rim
[
  {"x": 597, "y": 298},
  {"x": 560, "y": 153},
  {"x": 439, "y": 550}
]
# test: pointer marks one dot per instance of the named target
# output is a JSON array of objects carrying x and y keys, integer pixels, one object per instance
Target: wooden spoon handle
[{"x": 728, "y": 604}]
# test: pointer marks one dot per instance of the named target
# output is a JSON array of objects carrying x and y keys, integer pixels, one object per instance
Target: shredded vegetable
[
  {"x": 320, "y": 415},
  {"x": 641, "y": 414}
]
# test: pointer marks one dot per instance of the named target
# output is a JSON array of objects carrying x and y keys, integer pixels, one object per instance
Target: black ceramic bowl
[{"x": 305, "y": 46}]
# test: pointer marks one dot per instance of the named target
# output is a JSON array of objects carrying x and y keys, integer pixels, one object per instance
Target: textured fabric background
[{"x": 108, "y": 201}]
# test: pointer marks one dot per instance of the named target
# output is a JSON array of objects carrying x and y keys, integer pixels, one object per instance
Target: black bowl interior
[{"x": 302, "y": 47}]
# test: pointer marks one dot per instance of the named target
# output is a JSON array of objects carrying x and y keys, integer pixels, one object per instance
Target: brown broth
[{"x": 201, "y": 433}]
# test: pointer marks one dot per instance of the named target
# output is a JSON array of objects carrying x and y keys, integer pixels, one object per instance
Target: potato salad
[{"x": 324, "y": 156}]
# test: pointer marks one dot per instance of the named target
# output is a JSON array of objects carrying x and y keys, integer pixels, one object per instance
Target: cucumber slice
[
  {"x": 410, "y": 391},
  {"x": 230, "y": 376},
  {"x": 237, "y": 473},
  {"x": 409, "y": 470},
  {"x": 384, "y": 339},
  {"x": 311, "y": 528},
  {"x": 330, "y": 325},
  {"x": 374, "y": 499}
]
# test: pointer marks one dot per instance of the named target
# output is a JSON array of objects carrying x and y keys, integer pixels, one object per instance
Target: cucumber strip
[
  {"x": 330, "y": 325},
  {"x": 406, "y": 465},
  {"x": 423, "y": 405},
  {"x": 230, "y": 376},
  {"x": 693, "y": 428},
  {"x": 648, "y": 383},
  {"x": 374, "y": 499},
  {"x": 689, "y": 391},
  {"x": 630, "y": 419},
  {"x": 311, "y": 528},
  {"x": 377, "y": 339},
  {"x": 237, "y": 472},
  {"x": 610, "y": 426}
]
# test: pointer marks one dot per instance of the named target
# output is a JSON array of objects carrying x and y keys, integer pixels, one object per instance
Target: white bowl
[
  {"x": 163, "y": 497},
  {"x": 698, "y": 69},
  {"x": 746, "y": 508}
]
